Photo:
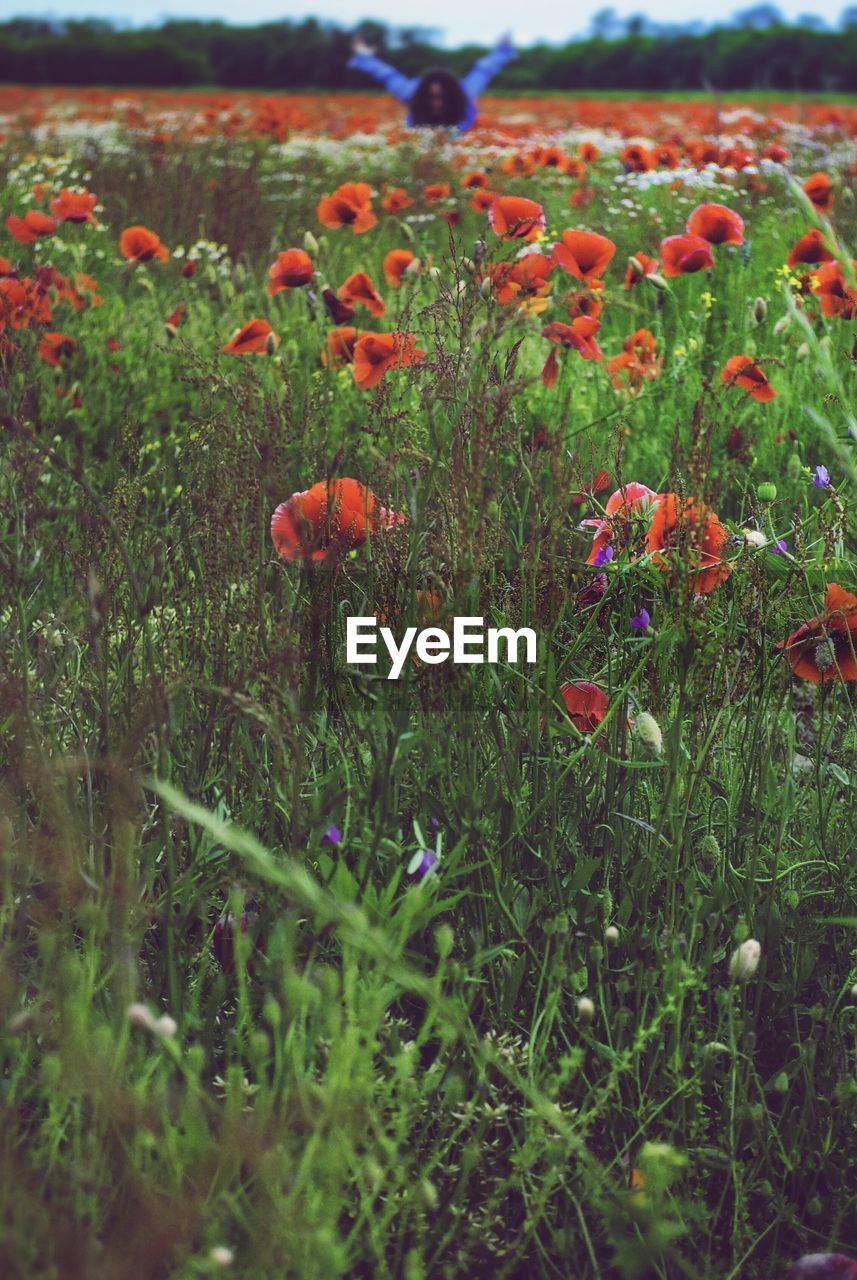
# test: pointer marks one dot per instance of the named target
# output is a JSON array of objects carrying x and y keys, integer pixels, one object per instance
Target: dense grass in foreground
[{"x": 534, "y": 1061}]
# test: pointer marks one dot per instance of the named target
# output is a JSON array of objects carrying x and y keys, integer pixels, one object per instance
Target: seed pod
[{"x": 745, "y": 960}]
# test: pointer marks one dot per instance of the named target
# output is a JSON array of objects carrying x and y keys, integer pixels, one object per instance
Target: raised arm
[
  {"x": 489, "y": 66},
  {"x": 395, "y": 82}
]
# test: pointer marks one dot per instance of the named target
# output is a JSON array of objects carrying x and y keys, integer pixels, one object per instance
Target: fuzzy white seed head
[
  {"x": 755, "y": 538},
  {"x": 221, "y": 1256},
  {"x": 745, "y": 960}
]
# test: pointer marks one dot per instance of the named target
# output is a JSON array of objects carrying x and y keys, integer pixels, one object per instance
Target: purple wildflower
[
  {"x": 331, "y": 836},
  {"x": 423, "y": 863},
  {"x": 603, "y": 556},
  {"x": 641, "y": 620},
  {"x": 780, "y": 548},
  {"x": 821, "y": 479},
  {"x": 434, "y": 824}
]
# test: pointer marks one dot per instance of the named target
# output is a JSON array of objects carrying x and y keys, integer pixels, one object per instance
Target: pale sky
[{"x": 460, "y": 22}]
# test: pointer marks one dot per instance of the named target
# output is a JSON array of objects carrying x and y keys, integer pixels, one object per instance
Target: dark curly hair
[{"x": 455, "y": 99}]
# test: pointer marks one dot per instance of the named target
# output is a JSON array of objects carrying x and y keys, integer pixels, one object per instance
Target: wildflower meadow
[{"x": 533, "y": 960}]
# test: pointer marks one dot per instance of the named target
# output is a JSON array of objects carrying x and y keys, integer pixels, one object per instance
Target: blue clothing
[{"x": 404, "y": 87}]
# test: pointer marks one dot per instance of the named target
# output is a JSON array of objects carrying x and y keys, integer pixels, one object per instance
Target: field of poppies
[{"x": 509, "y": 970}]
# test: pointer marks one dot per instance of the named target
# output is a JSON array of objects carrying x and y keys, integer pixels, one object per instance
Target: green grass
[{"x": 399, "y": 1079}]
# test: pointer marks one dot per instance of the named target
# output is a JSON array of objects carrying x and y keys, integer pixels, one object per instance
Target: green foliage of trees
[{"x": 313, "y": 55}]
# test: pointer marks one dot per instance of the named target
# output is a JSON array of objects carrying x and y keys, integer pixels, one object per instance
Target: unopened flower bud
[
  {"x": 271, "y": 344},
  {"x": 782, "y": 326},
  {"x": 649, "y": 732},
  {"x": 802, "y": 352},
  {"x": 310, "y": 243},
  {"x": 221, "y": 1256},
  {"x": 611, "y": 935},
  {"x": 760, "y": 310},
  {"x": 170, "y": 330},
  {"x": 745, "y": 960},
  {"x": 794, "y": 467},
  {"x": 585, "y": 1010},
  {"x": 657, "y": 281},
  {"x": 486, "y": 287}
]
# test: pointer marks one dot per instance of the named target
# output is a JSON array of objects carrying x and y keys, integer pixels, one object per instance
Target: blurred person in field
[{"x": 437, "y": 99}]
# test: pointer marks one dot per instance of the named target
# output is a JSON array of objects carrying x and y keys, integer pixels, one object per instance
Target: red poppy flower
[
  {"x": 340, "y": 312},
  {"x": 139, "y": 244},
  {"x": 836, "y": 295},
  {"x": 331, "y": 518},
  {"x": 189, "y": 269},
  {"x": 598, "y": 485},
  {"x": 292, "y": 270},
  {"x": 6, "y": 268},
  {"x": 175, "y": 319},
  {"x": 692, "y": 535},
  {"x": 474, "y": 180},
  {"x": 666, "y": 156},
  {"x": 583, "y": 254},
  {"x": 33, "y": 226},
  {"x": 637, "y": 363},
  {"x": 54, "y": 346},
  {"x": 74, "y": 206},
  {"x": 435, "y": 192},
  {"x": 396, "y": 263},
  {"x": 256, "y": 338},
  {"x": 682, "y": 255},
  {"x": 823, "y": 649},
  {"x": 375, "y": 353},
  {"x": 580, "y": 334},
  {"x": 586, "y": 704},
  {"x": 396, "y": 200},
  {"x": 588, "y": 152},
  {"x": 625, "y": 522},
  {"x": 743, "y": 372},
  {"x": 812, "y": 248},
  {"x": 820, "y": 191},
  {"x": 585, "y": 302},
  {"x": 637, "y": 159},
  {"x": 349, "y": 206},
  {"x": 339, "y": 346},
  {"x": 528, "y": 277},
  {"x": 358, "y": 290},
  {"x": 716, "y": 224},
  {"x": 775, "y": 152},
  {"x": 483, "y": 200},
  {"x": 639, "y": 266},
  {"x": 516, "y": 218}
]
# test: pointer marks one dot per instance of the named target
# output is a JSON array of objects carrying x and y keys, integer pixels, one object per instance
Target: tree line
[{"x": 309, "y": 54}]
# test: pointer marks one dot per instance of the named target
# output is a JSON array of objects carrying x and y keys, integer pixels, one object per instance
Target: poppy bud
[
  {"x": 794, "y": 467},
  {"x": 709, "y": 848},
  {"x": 635, "y": 266},
  {"x": 657, "y": 281},
  {"x": 310, "y": 243},
  {"x": 803, "y": 351},
  {"x": 221, "y": 1256},
  {"x": 585, "y": 1010},
  {"x": 479, "y": 251},
  {"x": 745, "y": 960},
  {"x": 611, "y": 935},
  {"x": 781, "y": 1084},
  {"x": 434, "y": 272},
  {"x": 407, "y": 231},
  {"x": 468, "y": 265},
  {"x": 170, "y": 330},
  {"x": 854, "y": 992},
  {"x": 271, "y": 344},
  {"x": 767, "y": 492},
  {"x": 760, "y": 310},
  {"x": 486, "y": 288},
  {"x": 649, "y": 732}
]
